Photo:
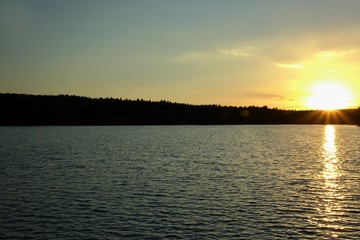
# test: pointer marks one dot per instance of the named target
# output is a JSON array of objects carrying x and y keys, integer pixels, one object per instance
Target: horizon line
[{"x": 168, "y": 101}]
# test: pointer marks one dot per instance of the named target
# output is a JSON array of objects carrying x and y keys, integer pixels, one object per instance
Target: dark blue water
[{"x": 180, "y": 182}]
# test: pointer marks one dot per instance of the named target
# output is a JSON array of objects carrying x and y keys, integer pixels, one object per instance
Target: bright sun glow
[{"x": 329, "y": 96}]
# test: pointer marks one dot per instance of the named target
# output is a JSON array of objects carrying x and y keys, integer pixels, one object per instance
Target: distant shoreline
[{"x": 65, "y": 110}]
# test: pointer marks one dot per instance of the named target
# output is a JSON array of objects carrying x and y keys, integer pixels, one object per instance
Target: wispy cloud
[
  {"x": 216, "y": 54},
  {"x": 269, "y": 96},
  {"x": 291, "y": 65},
  {"x": 238, "y": 52},
  {"x": 333, "y": 53}
]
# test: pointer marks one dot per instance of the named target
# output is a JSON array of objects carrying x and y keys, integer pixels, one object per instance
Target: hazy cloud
[
  {"x": 238, "y": 52},
  {"x": 221, "y": 53},
  {"x": 290, "y": 65},
  {"x": 268, "y": 96},
  {"x": 333, "y": 53}
]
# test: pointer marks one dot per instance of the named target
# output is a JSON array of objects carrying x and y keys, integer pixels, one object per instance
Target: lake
[{"x": 180, "y": 182}]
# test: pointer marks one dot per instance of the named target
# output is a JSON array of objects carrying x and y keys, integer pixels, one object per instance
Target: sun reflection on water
[
  {"x": 330, "y": 172},
  {"x": 330, "y": 195}
]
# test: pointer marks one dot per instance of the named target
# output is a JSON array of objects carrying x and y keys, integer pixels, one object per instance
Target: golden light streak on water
[{"x": 330, "y": 198}]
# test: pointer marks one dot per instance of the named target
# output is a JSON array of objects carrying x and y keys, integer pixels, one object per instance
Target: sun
[{"x": 329, "y": 96}]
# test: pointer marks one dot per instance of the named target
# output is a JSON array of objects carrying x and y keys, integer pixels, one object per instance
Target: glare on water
[
  {"x": 330, "y": 198},
  {"x": 330, "y": 172}
]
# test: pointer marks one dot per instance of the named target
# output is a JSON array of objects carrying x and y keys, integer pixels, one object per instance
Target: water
[{"x": 180, "y": 182}]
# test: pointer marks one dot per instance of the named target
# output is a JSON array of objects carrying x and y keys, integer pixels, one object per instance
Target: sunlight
[
  {"x": 329, "y": 96},
  {"x": 330, "y": 198},
  {"x": 330, "y": 173}
]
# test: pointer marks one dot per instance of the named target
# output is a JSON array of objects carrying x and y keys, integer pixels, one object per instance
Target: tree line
[{"x": 24, "y": 109}]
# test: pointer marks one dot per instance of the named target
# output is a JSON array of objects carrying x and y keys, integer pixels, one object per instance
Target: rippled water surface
[{"x": 187, "y": 182}]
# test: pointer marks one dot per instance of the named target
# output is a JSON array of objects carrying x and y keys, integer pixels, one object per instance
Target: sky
[{"x": 228, "y": 52}]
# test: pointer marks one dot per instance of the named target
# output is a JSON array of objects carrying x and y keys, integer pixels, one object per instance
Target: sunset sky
[{"x": 239, "y": 53}]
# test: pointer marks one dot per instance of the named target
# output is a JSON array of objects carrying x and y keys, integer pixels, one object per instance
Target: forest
[{"x": 39, "y": 110}]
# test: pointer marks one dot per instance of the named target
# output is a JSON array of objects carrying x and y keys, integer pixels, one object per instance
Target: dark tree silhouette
[{"x": 22, "y": 109}]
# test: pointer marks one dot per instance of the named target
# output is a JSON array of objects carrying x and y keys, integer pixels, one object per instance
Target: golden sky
[{"x": 239, "y": 53}]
